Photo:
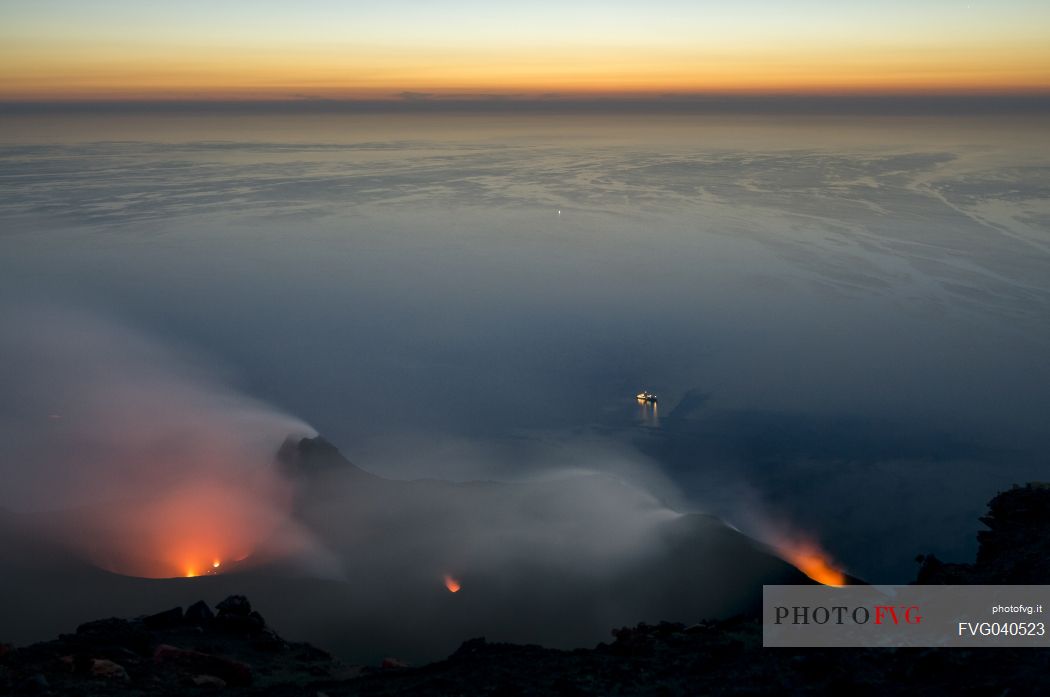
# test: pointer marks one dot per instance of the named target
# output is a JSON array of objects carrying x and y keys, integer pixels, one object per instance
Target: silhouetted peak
[{"x": 309, "y": 456}]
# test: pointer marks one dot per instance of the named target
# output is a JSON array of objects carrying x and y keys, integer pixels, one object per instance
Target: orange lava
[
  {"x": 818, "y": 569},
  {"x": 808, "y": 558},
  {"x": 193, "y": 572},
  {"x": 452, "y": 584},
  {"x": 189, "y": 531}
]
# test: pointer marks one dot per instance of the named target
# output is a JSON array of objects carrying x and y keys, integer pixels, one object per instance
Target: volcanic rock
[
  {"x": 164, "y": 620},
  {"x": 311, "y": 456},
  {"x": 35, "y": 684},
  {"x": 234, "y": 606},
  {"x": 1016, "y": 546},
  {"x": 199, "y": 613},
  {"x": 236, "y": 615},
  {"x": 114, "y": 656},
  {"x": 233, "y": 672},
  {"x": 1015, "y": 549},
  {"x": 103, "y": 668},
  {"x": 208, "y": 681},
  {"x": 113, "y": 632},
  {"x": 250, "y": 626}
]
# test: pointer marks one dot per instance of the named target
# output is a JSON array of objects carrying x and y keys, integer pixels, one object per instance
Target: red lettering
[{"x": 881, "y": 610}]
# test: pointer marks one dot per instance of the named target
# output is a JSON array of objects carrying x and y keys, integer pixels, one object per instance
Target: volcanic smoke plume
[
  {"x": 161, "y": 469},
  {"x": 140, "y": 461}
]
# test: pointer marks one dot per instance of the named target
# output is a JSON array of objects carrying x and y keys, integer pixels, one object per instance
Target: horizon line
[{"x": 967, "y": 102}]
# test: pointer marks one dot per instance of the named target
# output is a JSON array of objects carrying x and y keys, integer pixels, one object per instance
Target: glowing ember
[
  {"x": 808, "y": 558},
  {"x": 192, "y": 572},
  {"x": 452, "y": 584}
]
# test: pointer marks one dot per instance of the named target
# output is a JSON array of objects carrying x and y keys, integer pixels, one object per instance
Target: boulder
[
  {"x": 199, "y": 613},
  {"x": 236, "y": 616},
  {"x": 234, "y": 606},
  {"x": 108, "y": 670},
  {"x": 208, "y": 681},
  {"x": 234, "y": 673},
  {"x": 164, "y": 620}
]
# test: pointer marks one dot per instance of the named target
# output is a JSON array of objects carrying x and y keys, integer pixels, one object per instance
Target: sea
[{"x": 845, "y": 318}]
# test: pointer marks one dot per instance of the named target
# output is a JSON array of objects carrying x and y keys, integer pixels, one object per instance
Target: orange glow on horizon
[
  {"x": 88, "y": 72},
  {"x": 319, "y": 49}
]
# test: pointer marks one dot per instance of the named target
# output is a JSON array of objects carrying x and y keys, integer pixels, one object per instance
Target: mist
[
  {"x": 841, "y": 317},
  {"x": 144, "y": 461},
  {"x": 158, "y": 465}
]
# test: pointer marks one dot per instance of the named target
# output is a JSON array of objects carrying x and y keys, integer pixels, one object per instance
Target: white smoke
[{"x": 162, "y": 463}]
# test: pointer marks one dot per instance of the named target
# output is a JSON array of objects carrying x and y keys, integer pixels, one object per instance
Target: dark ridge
[
  {"x": 233, "y": 651},
  {"x": 1015, "y": 549}
]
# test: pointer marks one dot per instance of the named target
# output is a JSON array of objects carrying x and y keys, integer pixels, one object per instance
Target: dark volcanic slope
[
  {"x": 726, "y": 657},
  {"x": 554, "y": 562},
  {"x": 718, "y": 658}
]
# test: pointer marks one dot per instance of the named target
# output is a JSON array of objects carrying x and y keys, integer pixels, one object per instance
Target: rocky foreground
[
  {"x": 172, "y": 652},
  {"x": 232, "y": 651}
]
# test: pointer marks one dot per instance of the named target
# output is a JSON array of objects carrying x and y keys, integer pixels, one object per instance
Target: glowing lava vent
[
  {"x": 811, "y": 560},
  {"x": 193, "y": 530}
]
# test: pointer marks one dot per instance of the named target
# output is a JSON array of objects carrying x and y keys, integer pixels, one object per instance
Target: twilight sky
[{"x": 263, "y": 49}]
